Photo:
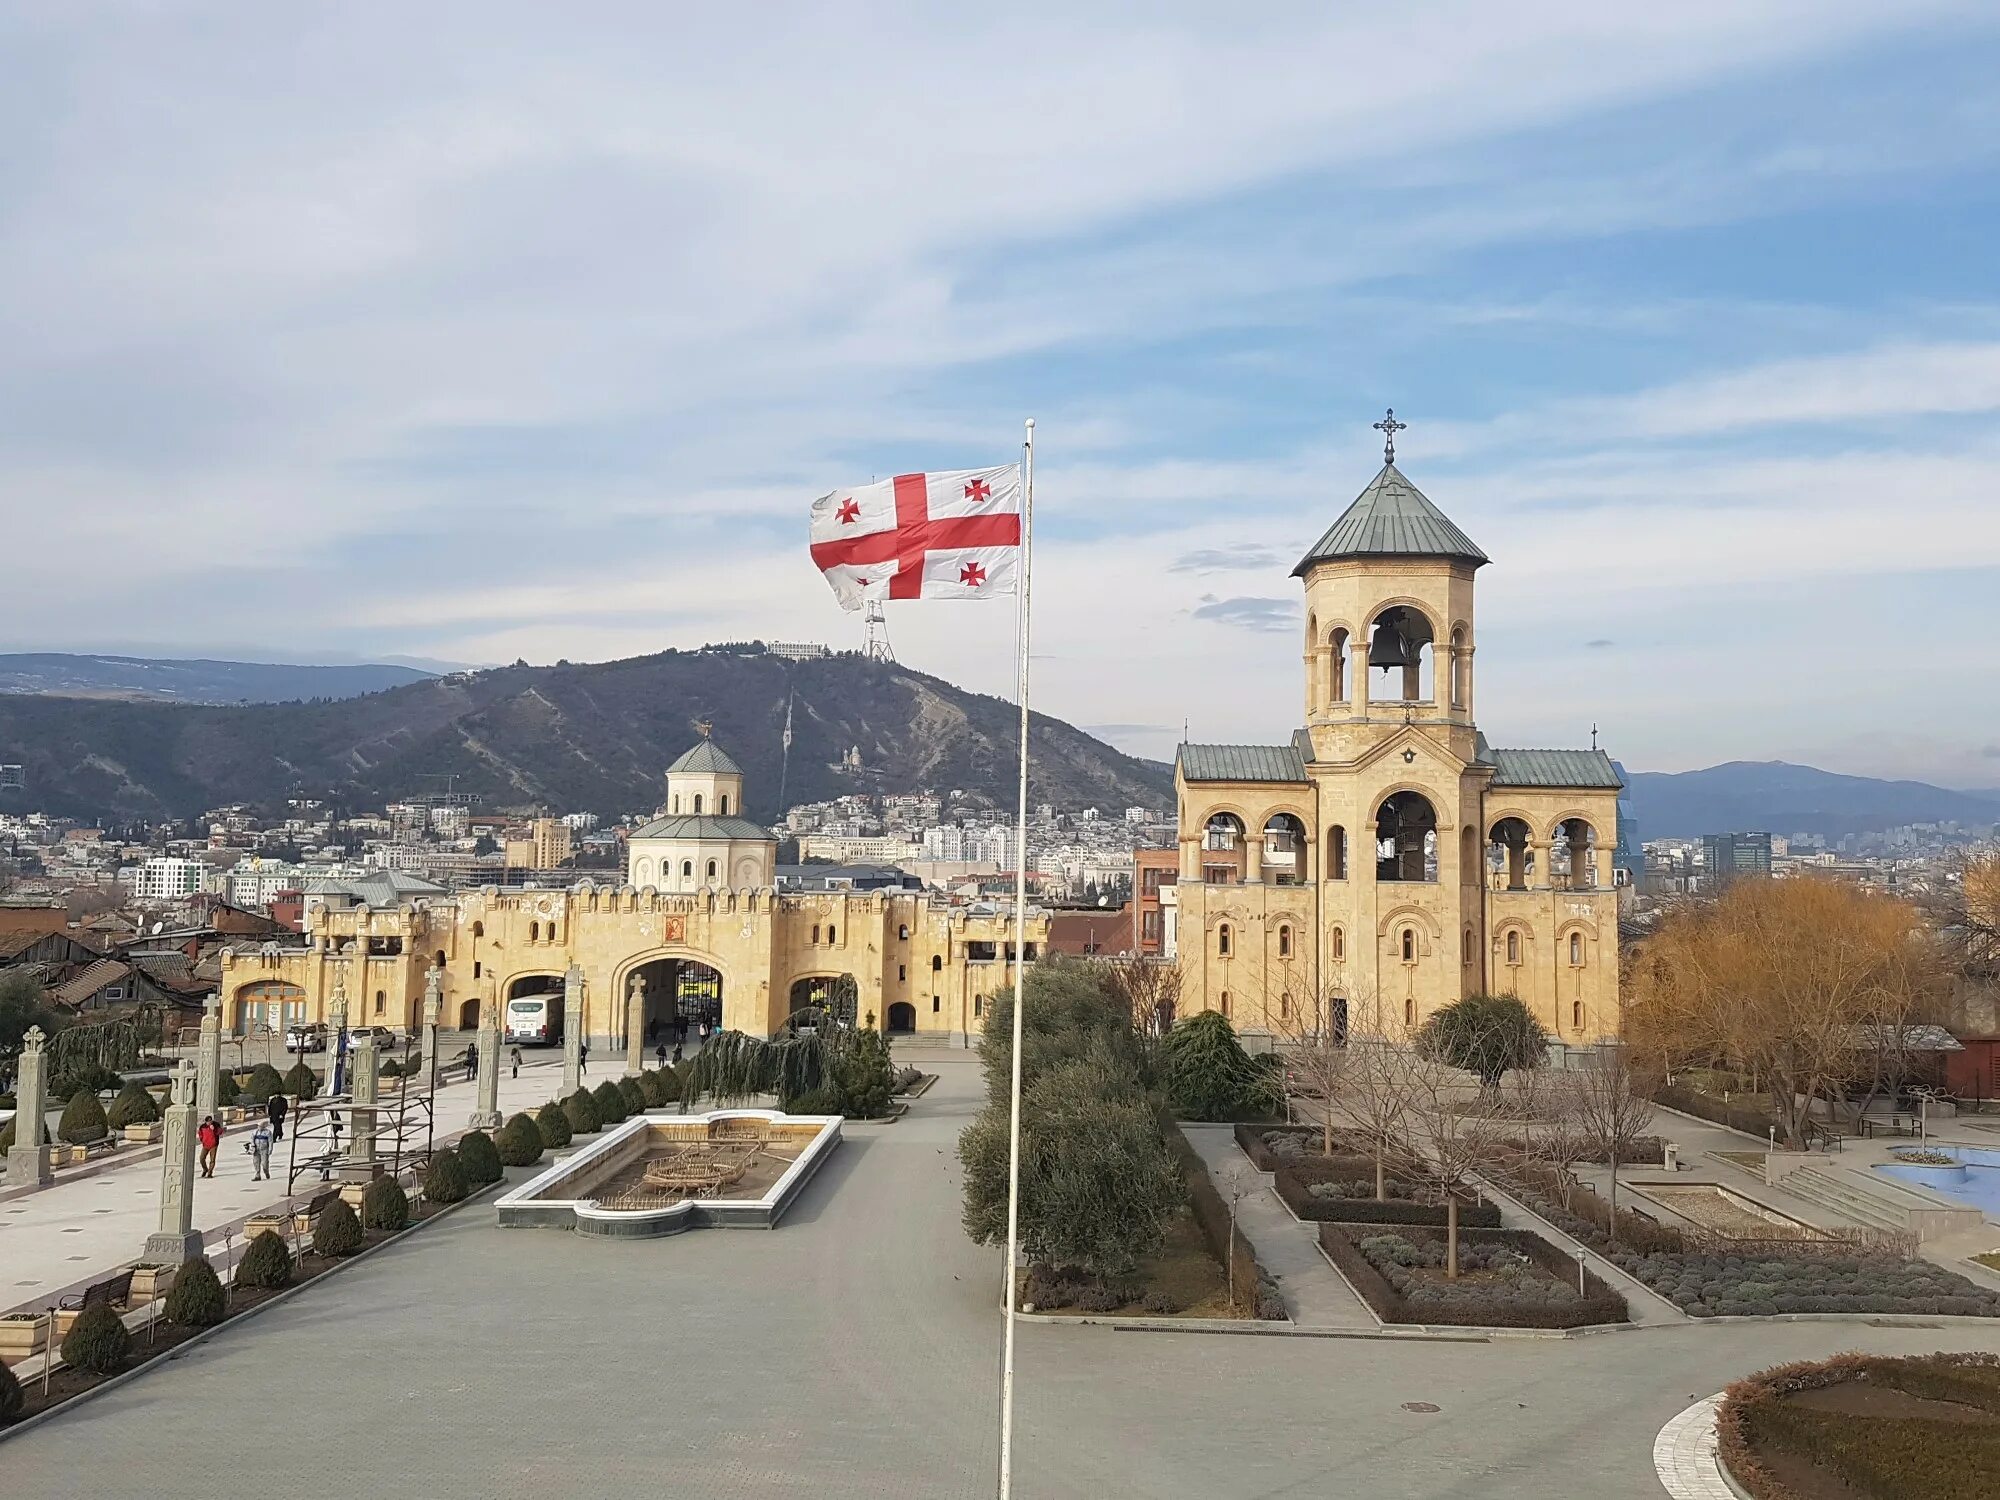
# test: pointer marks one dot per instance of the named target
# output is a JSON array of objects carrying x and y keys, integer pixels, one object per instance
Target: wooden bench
[
  {"x": 302, "y": 1221},
  {"x": 112, "y": 1291}
]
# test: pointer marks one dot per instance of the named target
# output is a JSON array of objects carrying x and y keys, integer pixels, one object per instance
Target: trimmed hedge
[
  {"x": 1226, "y": 1242},
  {"x": 195, "y": 1300},
  {"x": 519, "y": 1142},
  {"x": 610, "y": 1102},
  {"x": 133, "y": 1106},
  {"x": 581, "y": 1111},
  {"x": 1892, "y": 1457},
  {"x": 384, "y": 1205},
  {"x": 266, "y": 1263},
  {"x": 634, "y": 1096},
  {"x": 669, "y": 1080},
  {"x": 226, "y": 1087},
  {"x": 1474, "y": 1215},
  {"x": 264, "y": 1081},
  {"x": 1755, "y": 1121},
  {"x": 301, "y": 1081},
  {"x": 445, "y": 1180},
  {"x": 1479, "y": 1307},
  {"x": 1757, "y": 1283},
  {"x": 553, "y": 1122},
  {"x": 83, "y": 1120},
  {"x": 336, "y": 1231},
  {"x": 649, "y": 1089},
  {"x": 97, "y": 1341},
  {"x": 481, "y": 1161}
]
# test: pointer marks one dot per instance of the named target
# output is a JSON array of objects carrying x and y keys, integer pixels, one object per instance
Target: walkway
[
  {"x": 72, "y": 1233},
  {"x": 1315, "y": 1294}
]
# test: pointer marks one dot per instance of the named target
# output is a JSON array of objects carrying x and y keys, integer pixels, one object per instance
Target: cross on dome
[{"x": 1389, "y": 427}]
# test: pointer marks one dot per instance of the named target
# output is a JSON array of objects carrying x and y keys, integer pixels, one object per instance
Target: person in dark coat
[
  {"x": 471, "y": 1062},
  {"x": 274, "y": 1111}
]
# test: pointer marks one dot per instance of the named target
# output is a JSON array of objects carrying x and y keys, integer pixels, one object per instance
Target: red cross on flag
[{"x": 954, "y": 535}]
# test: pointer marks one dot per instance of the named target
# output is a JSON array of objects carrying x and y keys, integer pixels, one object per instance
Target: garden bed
[
  {"x": 1801, "y": 1279},
  {"x": 1510, "y": 1278},
  {"x": 1351, "y": 1200},
  {"x": 1864, "y": 1427}
]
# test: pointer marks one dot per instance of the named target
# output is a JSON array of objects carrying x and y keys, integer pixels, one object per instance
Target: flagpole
[{"x": 1020, "y": 969}]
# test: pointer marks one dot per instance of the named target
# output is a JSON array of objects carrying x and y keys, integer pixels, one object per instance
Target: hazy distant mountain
[
  {"x": 578, "y": 738},
  {"x": 1778, "y": 797},
  {"x": 148, "y": 679}
]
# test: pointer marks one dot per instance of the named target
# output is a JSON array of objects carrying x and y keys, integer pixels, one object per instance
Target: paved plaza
[{"x": 854, "y": 1352}]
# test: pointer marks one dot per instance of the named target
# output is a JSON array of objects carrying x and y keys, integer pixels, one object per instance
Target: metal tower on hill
[{"x": 876, "y": 644}]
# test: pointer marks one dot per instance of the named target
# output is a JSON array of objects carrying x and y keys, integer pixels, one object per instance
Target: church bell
[{"x": 1390, "y": 648}]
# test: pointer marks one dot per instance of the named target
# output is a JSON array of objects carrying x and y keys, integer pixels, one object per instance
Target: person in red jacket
[{"x": 209, "y": 1133}]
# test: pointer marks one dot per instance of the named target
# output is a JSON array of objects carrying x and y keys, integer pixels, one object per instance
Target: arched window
[
  {"x": 1409, "y": 945},
  {"x": 1312, "y": 667},
  {"x": 1461, "y": 668},
  {"x": 1336, "y": 853},
  {"x": 1410, "y": 1011},
  {"x": 478, "y": 931},
  {"x": 937, "y": 963},
  {"x": 1284, "y": 852},
  {"x": 815, "y": 932},
  {"x": 1284, "y": 942},
  {"x": 677, "y": 802},
  {"x": 1402, "y": 645},
  {"x": 723, "y": 808},
  {"x": 534, "y": 932},
  {"x": 1576, "y": 1015},
  {"x": 903, "y": 932},
  {"x": 977, "y": 1001},
  {"x": 1222, "y": 940},
  {"x": 1465, "y": 948},
  {"x": 1575, "y": 846},
  {"x": 1225, "y": 1003},
  {"x": 1336, "y": 668},
  {"x": 830, "y": 937},
  {"x": 687, "y": 869},
  {"x": 1513, "y": 947},
  {"x": 381, "y": 1002},
  {"x": 1339, "y": 944},
  {"x": 1405, "y": 838},
  {"x": 697, "y": 804},
  {"x": 1508, "y": 854},
  {"x": 1576, "y": 949},
  {"x": 1285, "y": 1006},
  {"x": 1222, "y": 857},
  {"x": 711, "y": 869}
]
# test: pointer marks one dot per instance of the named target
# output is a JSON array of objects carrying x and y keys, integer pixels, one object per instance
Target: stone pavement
[
  {"x": 74, "y": 1232},
  {"x": 1315, "y": 1294},
  {"x": 854, "y": 1352}
]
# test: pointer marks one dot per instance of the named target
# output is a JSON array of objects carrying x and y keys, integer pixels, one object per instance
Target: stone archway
[
  {"x": 679, "y": 989},
  {"x": 837, "y": 994},
  {"x": 902, "y": 1018}
]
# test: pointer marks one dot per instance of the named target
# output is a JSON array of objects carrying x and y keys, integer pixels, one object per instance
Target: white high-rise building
[{"x": 167, "y": 879}]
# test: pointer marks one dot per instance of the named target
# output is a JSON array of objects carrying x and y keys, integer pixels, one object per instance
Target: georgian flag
[{"x": 954, "y": 535}]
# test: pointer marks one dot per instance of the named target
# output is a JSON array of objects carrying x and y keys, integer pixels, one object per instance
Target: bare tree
[
  {"x": 1151, "y": 988},
  {"x": 1451, "y": 1142},
  {"x": 1613, "y": 1111},
  {"x": 1557, "y": 1135},
  {"x": 1311, "y": 1027},
  {"x": 1379, "y": 1081}
]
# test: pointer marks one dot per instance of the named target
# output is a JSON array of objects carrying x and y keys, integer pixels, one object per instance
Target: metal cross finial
[{"x": 1389, "y": 427}]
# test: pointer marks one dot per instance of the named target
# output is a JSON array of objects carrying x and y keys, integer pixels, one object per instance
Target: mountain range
[
  {"x": 155, "y": 679},
  {"x": 592, "y": 737},
  {"x": 1778, "y": 797}
]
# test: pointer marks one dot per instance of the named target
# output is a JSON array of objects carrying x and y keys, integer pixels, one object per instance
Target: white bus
[{"x": 536, "y": 1020}]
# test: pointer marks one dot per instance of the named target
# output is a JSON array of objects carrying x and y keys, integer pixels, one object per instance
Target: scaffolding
[{"x": 405, "y": 1120}]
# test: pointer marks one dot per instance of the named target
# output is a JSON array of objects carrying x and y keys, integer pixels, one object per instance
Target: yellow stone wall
[{"x": 901, "y": 948}]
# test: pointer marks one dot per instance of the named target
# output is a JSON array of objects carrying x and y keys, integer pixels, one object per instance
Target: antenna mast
[{"x": 876, "y": 644}]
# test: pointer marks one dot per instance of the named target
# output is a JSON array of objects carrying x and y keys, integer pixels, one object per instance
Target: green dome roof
[
  {"x": 705, "y": 759},
  {"x": 1391, "y": 518}
]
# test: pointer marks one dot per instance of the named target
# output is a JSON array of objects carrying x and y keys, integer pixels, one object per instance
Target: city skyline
[{"x": 519, "y": 355}]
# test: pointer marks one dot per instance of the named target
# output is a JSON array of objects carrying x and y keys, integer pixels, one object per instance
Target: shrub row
[
  {"x": 1750, "y": 1119},
  {"x": 1876, "y": 1455},
  {"x": 1718, "y": 1284},
  {"x": 1587, "y": 1218},
  {"x": 1646, "y": 1151},
  {"x": 1317, "y": 1209},
  {"x": 1475, "y": 1306}
]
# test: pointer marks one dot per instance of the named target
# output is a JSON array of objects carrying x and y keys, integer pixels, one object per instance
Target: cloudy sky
[{"x": 481, "y": 331}]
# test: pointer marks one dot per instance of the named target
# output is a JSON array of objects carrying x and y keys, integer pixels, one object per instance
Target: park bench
[
  {"x": 112, "y": 1291},
  {"x": 302, "y": 1221}
]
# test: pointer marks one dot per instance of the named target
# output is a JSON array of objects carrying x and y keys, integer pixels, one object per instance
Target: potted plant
[{"x": 22, "y": 1335}]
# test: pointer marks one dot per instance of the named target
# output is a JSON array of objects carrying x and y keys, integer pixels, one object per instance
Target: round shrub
[
  {"x": 553, "y": 1124},
  {"x": 581, "y": 1110},
  {"x": 195, "y": 1300},
  {"x": 669, "y": 1080},
  {"x": 519, "y": 1142},
  {"x": 1162, "y": 1301},
  {"x": 413, "y": 1065},
  {"x": 610, "y": 1102},
  {"x": 12, "y": 1398},
  {"x": 265, "y": 1081},
  {"x": 97, "y": 1342},
  {"x": 649, "y": 1089},
  {"x": 444, "y": 1179},
  {"x": 83, "y": 1119},
  {"x": 820, "y": 1101},
  {"x": 384, "y": 1205},
  {"x": 634, "y": 1096},
  {"x": 133, "y": 1106},
  {"x": 1099, "y": 1299},
  {"x": 337, "y": 1231},
  {"x": 226, "y": 1087},
  {"x": 390, "y": 1069},
  {"x": 479, "y": 1158},
  {"x": 302, "y": 1081},
  {"x": 266, "y": 1263},
  {"x": 7, "y": 1135}
]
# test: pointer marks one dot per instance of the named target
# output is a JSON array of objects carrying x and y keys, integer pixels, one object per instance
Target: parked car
[{"x": 305, "y": 1036}]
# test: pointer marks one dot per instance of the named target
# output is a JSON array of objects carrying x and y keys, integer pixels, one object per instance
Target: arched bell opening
[
  {"x": 1406, "y": 838},
  {"x": 1402, "y": 647}
]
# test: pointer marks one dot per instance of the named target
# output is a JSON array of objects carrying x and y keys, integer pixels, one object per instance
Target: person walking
[
  {"x": 274, "y": 1111},
  {"x": 704, "y": 1033},
  {"x": 677, "y": 1053},
  {"x": 260, "y": 1152},
  {"x": 514, "y": 1056},
  {"x": 583, "y": 1055},
  {"x": 681, "y": 1029},
  {"x": 660, "y": 1052},
  {"x": 471, "y": 1061},
  {"x": 209, "y": 1133}
]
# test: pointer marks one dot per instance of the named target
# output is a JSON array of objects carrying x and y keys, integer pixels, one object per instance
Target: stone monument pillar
[
  {"x": 177, "y": 1241},
  {"x": 486, "y": 1115},
  {"x": 635, "y": 1026},
  {"x": 364, "y": 1084},
  {"x": 208, "y": 1059},
  {"x": 572, "y": 1030},
  {"x": 433, "y": 1007},
  {"x": 28, "y": 1160}
]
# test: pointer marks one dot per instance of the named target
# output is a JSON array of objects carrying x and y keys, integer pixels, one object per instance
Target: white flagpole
[{"x": 1020, "y": 969}]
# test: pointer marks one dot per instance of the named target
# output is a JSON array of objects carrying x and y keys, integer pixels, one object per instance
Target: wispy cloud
[{"x": 1263, "y": 615}]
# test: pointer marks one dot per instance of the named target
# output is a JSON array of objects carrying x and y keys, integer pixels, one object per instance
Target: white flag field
[{"x": 950, "y": 535}]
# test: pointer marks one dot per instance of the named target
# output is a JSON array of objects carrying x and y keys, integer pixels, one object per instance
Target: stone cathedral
[{"x": 1387, "y": 856}]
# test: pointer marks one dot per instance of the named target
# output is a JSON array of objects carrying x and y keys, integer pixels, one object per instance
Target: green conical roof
[
  {"x": 1391, "y": 518},
  {"x": 705, "y": 758}
]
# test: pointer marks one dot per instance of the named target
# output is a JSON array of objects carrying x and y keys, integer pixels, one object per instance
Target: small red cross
[
  {"x": 849, "y": 512},
  {"x": 979, "y": 489},
  {"x": 973, "y": 574}
]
